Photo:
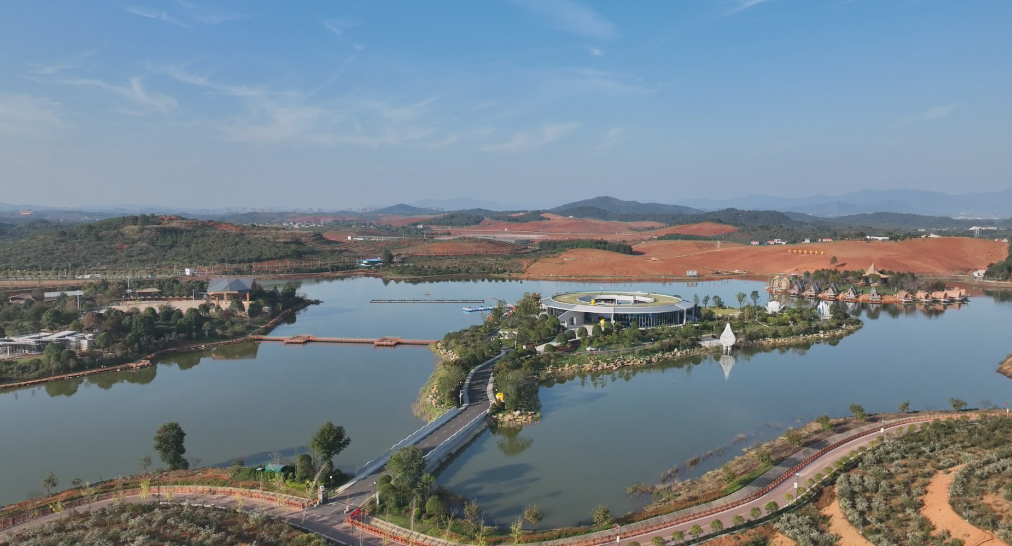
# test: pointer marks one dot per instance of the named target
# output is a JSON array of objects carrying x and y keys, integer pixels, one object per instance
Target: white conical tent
[{"x": 728, "y": 338}]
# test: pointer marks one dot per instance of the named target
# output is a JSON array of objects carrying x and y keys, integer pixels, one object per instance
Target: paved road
[
  {"x": 328, "y": 520},
  {"x": 477, "y": 395}
]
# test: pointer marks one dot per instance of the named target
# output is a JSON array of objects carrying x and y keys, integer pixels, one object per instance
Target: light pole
[
  {"x": 618, "y": 535},
  {"x": 797, "y": 478},
  {"x": 377, "y": 495}
]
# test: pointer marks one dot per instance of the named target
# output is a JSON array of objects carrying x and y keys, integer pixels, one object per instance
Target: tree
[
  {"x": 602, "y": 515},
  {"x": 695, "y": 531},
  {"x": 435, "y": 507},
  {"x": 561, "y": 338},
  {"x": 717, "y": 526},
  {"x": 328, "y": 441},
  {"x": 727, "y": 473},
  {"x": 741, "y": 299},
  {"x": 678, "y": 536},
  {"x": 858, "y": 411},
  {"x": 50, "y": 482},
  {"x": 706, "y": 300},
  {"x": 407, "y": 465},
  {"x": 738, "y": 520},
  {"x": 388, "y": 257},
  {"x": 303, "y": 467},
  {"x": 904, "y": 406},
  {"x": 533, "y": 514},
  {"x": 472, "y": 512},
  {"x": 717, "y": 302},
  {"x": 169, "y": 445},
  {"x": 517, "y": 529},
  {"x": 824, "y": 421},
  {"x": 833, "y": 260},
  {"x": 145, "y": 462},
  {"x": 755, "y": 512},
  {"x": 957, "y": 404},
  {"x": 763, "y": 456},
  {"x": 657, "y": 541},
  {"x": 754, "y": 296},
  {"x": 794, "y": 437},
  {"x": 771, "y": 507}
]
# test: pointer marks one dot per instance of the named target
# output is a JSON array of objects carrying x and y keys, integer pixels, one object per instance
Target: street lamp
[{"x": 377, "y": 495}]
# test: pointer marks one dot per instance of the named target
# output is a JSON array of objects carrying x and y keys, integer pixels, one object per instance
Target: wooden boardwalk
[
  {"x": 376, "y": 342},
  {"x": 429, "y": 300}
]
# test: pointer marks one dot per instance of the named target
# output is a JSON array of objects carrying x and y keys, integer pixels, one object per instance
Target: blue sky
[{"x": 336, "y": 104}]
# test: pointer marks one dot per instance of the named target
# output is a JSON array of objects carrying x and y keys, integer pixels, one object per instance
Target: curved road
[{"x": 329, "y": 520}]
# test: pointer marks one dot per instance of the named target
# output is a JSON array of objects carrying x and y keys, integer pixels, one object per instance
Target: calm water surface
[{"x": 599, "y": 434}]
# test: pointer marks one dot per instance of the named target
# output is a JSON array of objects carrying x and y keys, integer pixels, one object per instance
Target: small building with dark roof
[{"x": 230, "y": 286}]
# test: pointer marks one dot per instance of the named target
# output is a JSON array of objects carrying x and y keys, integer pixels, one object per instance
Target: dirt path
[
  {"x": 940, "y": 513},
  {"x": 838, "y": 525}
]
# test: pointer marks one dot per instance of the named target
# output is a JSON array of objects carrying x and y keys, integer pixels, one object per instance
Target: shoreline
[{"x": 147, "y": 360}]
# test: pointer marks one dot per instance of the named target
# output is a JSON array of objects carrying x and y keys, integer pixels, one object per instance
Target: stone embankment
[
  {"x": 596, "y": 366},
  {"x": 514, "y": 419}
]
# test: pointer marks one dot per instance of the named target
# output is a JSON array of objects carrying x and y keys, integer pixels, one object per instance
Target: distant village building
[
  {"x": 230, "y": 286},
  {"x": 779, "y": 284},
  {"x": 866, "y": 278}
]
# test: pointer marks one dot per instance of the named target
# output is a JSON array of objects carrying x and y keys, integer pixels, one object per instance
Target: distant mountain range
[{"x": 931, "y": 203}]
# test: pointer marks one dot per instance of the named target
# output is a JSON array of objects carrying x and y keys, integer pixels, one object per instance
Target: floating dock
[
  {"x": 376, "y": 342},
  {"x": 427, "y": 300}
]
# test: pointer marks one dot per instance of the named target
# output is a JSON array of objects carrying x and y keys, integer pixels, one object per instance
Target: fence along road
[
  {"x": 331, "y": 521},
  {"x": 439, "y": 438}
]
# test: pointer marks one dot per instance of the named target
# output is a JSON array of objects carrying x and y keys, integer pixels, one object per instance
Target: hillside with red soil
[
  {"x": 460, "y": 247},
  {"x": 705, "y": 229},
  {"x": 943, "y": 256}
]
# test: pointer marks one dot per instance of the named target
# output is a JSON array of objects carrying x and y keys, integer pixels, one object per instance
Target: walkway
[
  {"x": 329, "y": 520},
  {"x": 303, "y": 339}
]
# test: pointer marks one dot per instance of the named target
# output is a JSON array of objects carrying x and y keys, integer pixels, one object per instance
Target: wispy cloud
[
  {"x": 27, "y": 116},
  {"x": 571, "y": 16},
  {"x": 596, "y": 52},
  {"x": 613, "y": 137},
  {"x": 745, "y": 4},
  {"x": 179, "y": 73},
  {"x": 932, "y": 114},
  {"x": 529, "y": 140},
  {"x": 612, "y": 82},
  {"x": 139, "y": 101},
  {"x": 207, "y": 15},
  {"x": 155, "y": 14},
  {"x": 338, "y": 26}
]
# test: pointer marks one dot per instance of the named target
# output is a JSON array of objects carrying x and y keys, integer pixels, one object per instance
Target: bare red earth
[{"x": 953, "y": 255}]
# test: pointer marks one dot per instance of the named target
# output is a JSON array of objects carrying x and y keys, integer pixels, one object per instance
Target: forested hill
[
  {"x": 149, "y": 241},
  {"x": 618, "y": 206}
]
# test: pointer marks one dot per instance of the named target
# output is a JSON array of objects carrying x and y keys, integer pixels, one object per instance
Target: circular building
[{"x": 638, "y": 309}]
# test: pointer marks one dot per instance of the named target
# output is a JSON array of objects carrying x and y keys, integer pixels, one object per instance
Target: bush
[
  {"x": 602, "y": 515},
  {"x": 771, "y": 507},
  {"x": 657, "y": 541}
]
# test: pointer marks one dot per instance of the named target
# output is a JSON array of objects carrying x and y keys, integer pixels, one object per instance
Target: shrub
[
  {"x": 824, "y": 421},
  {"x": 755, "y": 512},
  {"x": 657, "y": 541},
  {"x": 602, "y": 515},
  {"x": 738, "y": 520},
  {"x": 771, "y": 507},
  {"x": 858, "y": 411},
  {"x": 678, "y": 536},
  {"x": 716, "y": 525}
]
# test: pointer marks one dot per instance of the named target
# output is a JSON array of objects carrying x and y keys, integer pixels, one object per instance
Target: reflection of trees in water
[
  {"x": 511, "y": 443},
  {"x": 63, "y": 388},
  {"x": 238, "y": 351},
  {"x": 1000, "y": 296},
  {"x": 142, "y": 376}
]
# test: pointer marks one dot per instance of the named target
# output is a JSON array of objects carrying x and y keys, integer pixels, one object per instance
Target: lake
[{"x": 599, "y": 434}]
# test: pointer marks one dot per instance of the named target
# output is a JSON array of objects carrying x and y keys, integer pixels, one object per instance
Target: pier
[
  {"x": 427, "y": 300},
  {"x": 376, "y": 342}
]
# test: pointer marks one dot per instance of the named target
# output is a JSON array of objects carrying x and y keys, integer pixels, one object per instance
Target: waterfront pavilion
[{"x": 637, "y": 309}]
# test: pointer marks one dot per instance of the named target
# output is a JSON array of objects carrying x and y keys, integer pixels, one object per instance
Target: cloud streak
[
  {"x": 745, "y": 4},
  {"x": 522, "y": 142},
  {"x": 155, "y": 14},
  {"x": 938, "y": 112},
  {"x": 141, "y": 101},
  {"x": 27, "y": 116},
  {"x": 572, "y": 17}
]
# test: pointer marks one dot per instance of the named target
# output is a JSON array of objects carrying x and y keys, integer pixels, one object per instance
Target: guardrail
[
  {"x": 450, "y": 445},
  {"x": 656, "y": 523}
]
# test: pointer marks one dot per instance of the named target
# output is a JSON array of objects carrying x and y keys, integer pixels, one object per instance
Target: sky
[{"x": 345, "y": 104}]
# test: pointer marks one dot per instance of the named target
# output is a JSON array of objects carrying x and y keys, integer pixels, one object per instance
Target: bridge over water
[{"x": 439, "y": 440}]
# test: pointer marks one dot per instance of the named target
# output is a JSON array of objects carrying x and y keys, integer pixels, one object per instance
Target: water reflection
[{"x": 511, "y": 442}]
